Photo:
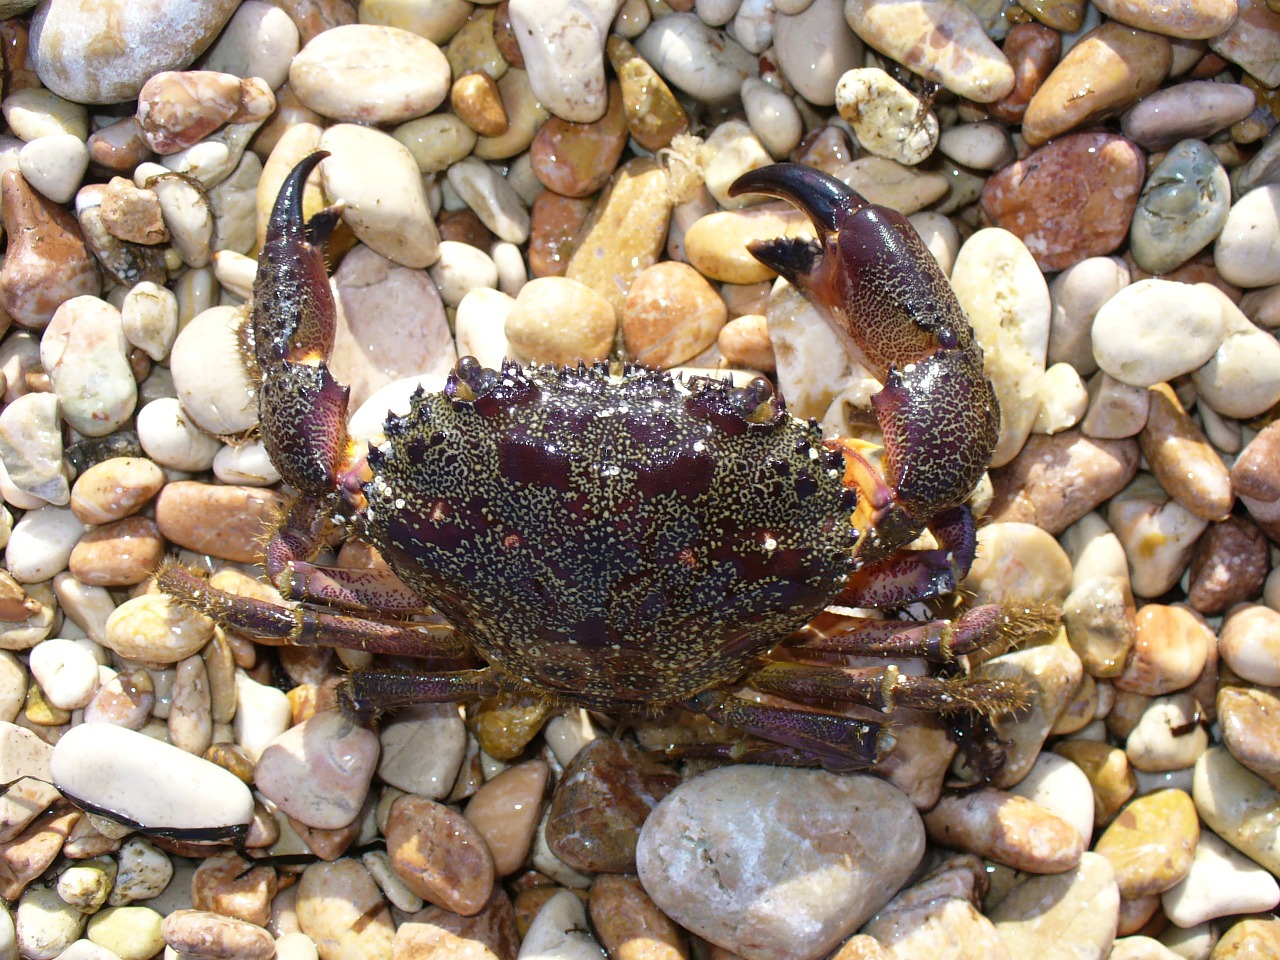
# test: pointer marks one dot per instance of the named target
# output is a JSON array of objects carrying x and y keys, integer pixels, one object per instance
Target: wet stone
[
  {"x": 1151, "y": 842},
  {"x": 601, "y": 803},
  {"x": 1006, "y": 828},
  {"x": 1068, "y": 916},
  {"x": 1239, "y": 807},
  {"x": 340, "y": 908},
  {"x": 1229, "y": 566},
  {"x": 505, "y": 812},
  {"x": 802, "y": 857},
  {"x": 1182, "y": 209},
  {"x": 1170, "y": 650},
  {"x": 1250, "y": 723},
  {"x": 439, "y": 855},
  {"x": 1109, "y": 771},
  {"x": 1221, "y": 881}
]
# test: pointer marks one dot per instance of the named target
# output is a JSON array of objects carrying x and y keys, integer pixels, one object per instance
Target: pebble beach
[{"x": 548, "y": 180}]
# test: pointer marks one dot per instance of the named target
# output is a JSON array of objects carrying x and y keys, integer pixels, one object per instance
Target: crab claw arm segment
[
  {"x": 882, "y": 291},
  {"x": 302, "y": 408}
]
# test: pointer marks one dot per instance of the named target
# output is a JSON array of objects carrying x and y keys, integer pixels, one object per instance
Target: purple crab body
[{"x": 586, "y": 527}]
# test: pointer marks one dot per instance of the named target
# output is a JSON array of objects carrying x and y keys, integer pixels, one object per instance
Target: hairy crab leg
[
  {"x": 841, "y": 744},
  {"x": 937, "y": 641},
  {"x": 885, "y": 688},
  {"x": 881, "y": 290},
  {"x": 301, "y": 626},
  {"x": 367, "y": 694}
]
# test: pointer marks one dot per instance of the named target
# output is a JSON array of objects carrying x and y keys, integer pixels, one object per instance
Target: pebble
[
  {"x": 492, "y": 199},
  {"x": 47, "y": 261},
  {"x": 262, "y": 714},
  {"x": 730, "y": 150},
  {"x": 439, "y": 855},
  {"x": 490, "y": 934},
  {"x": 199, "y": 933},
  {"x": 1242, "y": 378},
  {"x": 801, "y": 857},
  {"x": 384, "y": 203},
  {"x": 33, "y": 113},
  {"x": 54, "y": 165},
  {"x": 505, "y": 812},
  {"x": 125, "y": 700},
  {"x": 1056, "y": 480},
  {"x": 97, "y": 53},
  {"x": 1183, "y": 319},
  {"x": 1017, "y": 561},
  {"x": 1247, "y": 251},
  {"x": 1182, "y": 209},
  {"x": 394, "y": 75},
  {"x": 1195, "y": 109},
  {"x": 1065, "y": 916},
  {"x": 392, "y": 323},
  {"x": 773, "y": 116},
  {"x": 1032, "y": 50},
  {"x": 422, "y": 750},
  {"x": 143, "y": 872},
  {"x": 436, "y": 141},
  {"x": 981, "y": 146},
  {"x": 1238, "y": 806},
  {"x": 1249, "y": 643},
  {"x": 562, "y": 44},
  {"x": 1170, "y": 650},
  {"x": 560, "y": 321},
  {"x": 942, "y": 40},
  {"x": 342, "y": 911},
  {"x": 1006, "y": 828},
  {"x": 1076, "y": 294},
  {"x": 716, "y": 244},
  {"x": 149, "y": 316},
  {"x": 115, "y": 488},
  {"x": 222, "y": 884},
  {"x": 1157, "y": 533},
  {"x": 1109, "y": 69},
  {"x": 1249, "y": 718},
  {"x": 1182, "y": 459},
  {"x": 702, "y": 61},
  {"x": 629, "y": 924},
  {"x": 560, "y": 932},
  {"x": 86, "y": 356},
  {"x": 1252, "y": 42},
  {"x": 1070, "y": 199},
  {"x": 1229, "y": 566},
  {"x": 31, "y": 447},
  {"x": 186, "y": 211},
  {"x": 654, "y": 115},
  {"x": 318, "y": 772},
  {"x": 525, "y": 114},
  {"x": 177, "y": 110},
  {"x": 45, "y": 926},
  {"x": 209, "y": 375},
  {"x": 131, "y": 933},
  {"x": 1110, "y": 775},
  {"x": 41, "y": 544},
  {"x": 169, "y": 437},
  {"x": 222, "y": 521},
  {"x": 671, "y": 314},
  {"x": 1221, "y": 882},
  {"x": 600, "y": 804},
  {"x": 814, "y": 47},
  {"x": 1006, "y": 299},
  {"x": 1151, "y": 843},
  {"x": 67, "y": 672},
  {"x": 889, "y": 120},
  {"x": 87, "y": 885},
  {"x": 144, "y": 781}
]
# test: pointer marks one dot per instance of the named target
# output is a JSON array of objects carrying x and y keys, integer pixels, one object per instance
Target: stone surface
[
  {"x": 439, "y": 855},
  {"x": 318, "y": 772},
  {"x": 1067, "y": 916},
  {"x": 801, "y": 857}
]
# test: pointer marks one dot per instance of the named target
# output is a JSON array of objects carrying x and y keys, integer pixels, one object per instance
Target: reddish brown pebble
[
  {"x": 1055, "y": 480},
  {"x": 505, "y": 812},
  {"x": 118, "y": 554},
  {"x": 630, "y": 925},
  {"x": 1250, "y": 722},
  {"x": 465, "y": 227},
  {"x": 602, "y": 800},
  {"x": 227, "y": 522},
  {"x": 1229, "y": 566},
  {"x": 442, "y": 935},
  {"x": 1032, "y": 49},
  {"x": 227, "y": 885},
  {"x": 439, "y": 855},
  {"x": 132, "y": 214},
  {"x": 47, "y": 261},
  {"x": 1256, "y": 472},
  {"x": 1006, "y": 828},
  {"x": 1071, "y": 199},
  {"x": 745, "y": 342},
  {"x": 577, "y": 159},
  {"x": 29, "y": 854},
  {"x": 554, "y": 222}
]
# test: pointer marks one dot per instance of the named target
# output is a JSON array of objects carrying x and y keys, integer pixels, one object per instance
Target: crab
[{"x": 633, "y": 543}]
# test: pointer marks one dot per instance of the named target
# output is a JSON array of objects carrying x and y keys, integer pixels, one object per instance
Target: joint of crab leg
[
  {"x": 938, "y": 641},
  {"x": 842, "y": 744}
]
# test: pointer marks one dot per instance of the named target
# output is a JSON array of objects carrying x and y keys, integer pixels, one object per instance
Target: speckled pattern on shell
[{"x": 635, "y": 540}]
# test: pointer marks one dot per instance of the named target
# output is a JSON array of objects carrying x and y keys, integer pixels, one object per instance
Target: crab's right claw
[{"x": 880, "y": 288}]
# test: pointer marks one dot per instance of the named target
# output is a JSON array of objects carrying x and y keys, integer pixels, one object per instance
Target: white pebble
[
  {"x": 731, "y": 150},
  {"x": 149, "y": 316},
  {"x": 54, "y": 165},
  {"x": 559, "y": 932},
  {"x": 262, "y": 714},
  {"x": 480, "y": 326},
  {"x": 86, "y": 355},
  {"x": 774, "y": 117},
  {"x": 1062, "y": 788},
  {"x": 1077, "y": 293},
  {"x": 185, "y": 210},
  {"x": 460, "y": 269},
  {"x": 1155, "y": 330},
  {"x": 981, "y": 146},
  {"x": 752, "y": 25},
  {"x": 562, "y": 42},
  {"x": 512, "y": 273},
  {"x": 704, "y": 62},
  {"x": 1222, "y": 882},
  {"x": 41, "y": 543},
  {"x": 66, "y": 671},
  {"x": 815, "y": 46},
  {"x": 171, "y": 439},
  {"x": 1063, "y": 400},
  {"x": 209, "y": 374},
  {"x": 34, "y": 112},
  {"x": 491, "y": 198},
  {"x": 1247, "y": 252},
  {"x": 259, "y": 40},
  {"x": 245, "y": 463},
  {"x": 1157, "y": 533}
]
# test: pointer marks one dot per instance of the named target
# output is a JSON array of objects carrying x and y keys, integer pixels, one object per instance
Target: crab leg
[
  {"x": 938, "y": 641},
  {"x": 881, "y": 290}
]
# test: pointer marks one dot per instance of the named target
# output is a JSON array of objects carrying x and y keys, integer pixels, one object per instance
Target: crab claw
[{"x": 880, "y": 288}]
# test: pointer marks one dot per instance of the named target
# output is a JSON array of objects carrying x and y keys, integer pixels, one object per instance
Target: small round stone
[
  {"x": 439, "y": 855},
  {"x": 671, "y": 314},
  {"x": 560, "y": 321},
  {"x": 1151, "y": 843},
  {"x": 1155, "y": 330}
]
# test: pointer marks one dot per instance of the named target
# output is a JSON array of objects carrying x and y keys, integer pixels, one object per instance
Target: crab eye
[
  {"x": 756, "y": 402},
  {"x": 469, "y": 380}
]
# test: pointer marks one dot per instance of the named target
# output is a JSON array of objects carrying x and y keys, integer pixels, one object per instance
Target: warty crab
[{"x": 633, "y": 543}]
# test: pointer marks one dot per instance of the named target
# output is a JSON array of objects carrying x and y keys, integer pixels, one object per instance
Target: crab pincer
[{"x": 882, "y": 291}]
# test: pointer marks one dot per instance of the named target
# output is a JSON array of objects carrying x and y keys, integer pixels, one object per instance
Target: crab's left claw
[{"x": 883, "y": 292}]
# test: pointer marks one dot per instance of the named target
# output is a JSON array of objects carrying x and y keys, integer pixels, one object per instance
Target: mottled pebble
[
  {"x": 1250, "y": 721},
  {"x": 318, "y": 772},
  {"x": 630, "y": 926},
  {"x": 439, "y": 855},
  {"x": 1238, "y": 806},
  {"x": 199, "y": 933},
  {"x": 341, "y": 910},
  {"x": 671, "y": 314},
  {"x": 840, "y": 846},
  {"x": 1007, "y": 828},
  {"x": 654, "y": 115},
  {"x": 1070, "y": 199},
  {"x": 1150, "y": 844},
  {"x": 889, "y": 120},
  {"x": 1182, "y": 209}
]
